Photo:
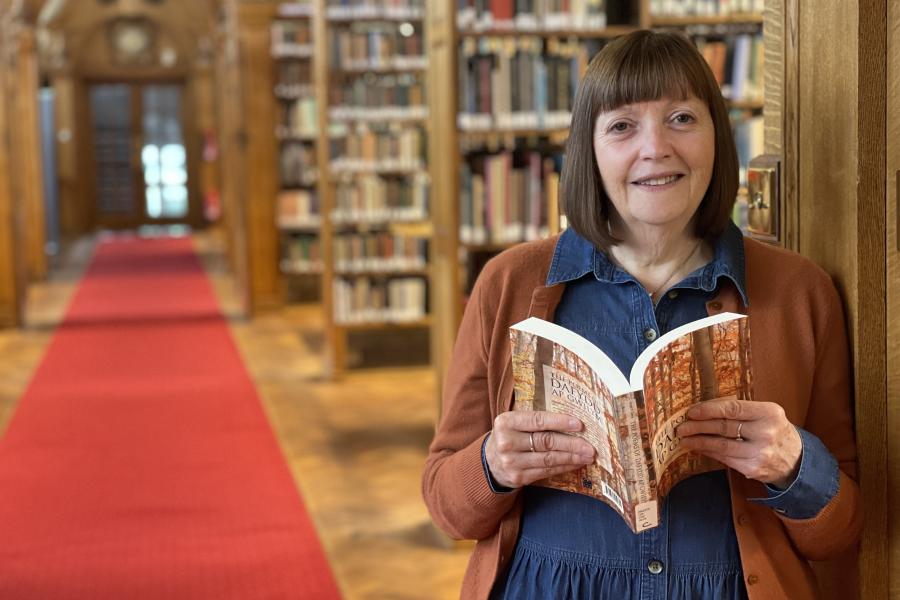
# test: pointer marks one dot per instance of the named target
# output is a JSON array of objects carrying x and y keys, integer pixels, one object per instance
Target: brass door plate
[{"x": 763, "y": 198}]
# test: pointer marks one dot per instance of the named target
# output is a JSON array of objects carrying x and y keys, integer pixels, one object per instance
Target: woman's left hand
[{"x": 753, "y": 438}]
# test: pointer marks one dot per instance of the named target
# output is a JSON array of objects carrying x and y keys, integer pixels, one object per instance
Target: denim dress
[{"x": 572, "y": 546}]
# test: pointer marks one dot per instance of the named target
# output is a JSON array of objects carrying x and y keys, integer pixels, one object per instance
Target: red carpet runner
[{"x": 139, "y": 463}]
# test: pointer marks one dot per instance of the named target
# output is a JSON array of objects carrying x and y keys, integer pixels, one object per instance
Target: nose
[{"x": 655, "y": 142}]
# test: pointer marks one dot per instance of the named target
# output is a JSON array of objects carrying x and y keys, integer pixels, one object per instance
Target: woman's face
[{"x": 656, "y": 160}]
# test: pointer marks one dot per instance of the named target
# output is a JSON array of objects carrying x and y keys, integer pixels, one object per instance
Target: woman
[{"x": 648, "y": 185}]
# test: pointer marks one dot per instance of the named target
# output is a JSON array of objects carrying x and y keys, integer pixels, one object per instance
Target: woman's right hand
[{"x": 527, "y": 445}]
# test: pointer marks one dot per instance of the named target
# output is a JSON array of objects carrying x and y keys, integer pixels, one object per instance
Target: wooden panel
[
  {"x": 10, "y": 290},
  {"x": 67, "y": 153},
  {"x": 842, "y": 208},
  {"x": 871, "y": 325},
  {"x": 260, "y": 156},
  {"x": 232, "y": 142},
  {"x": 442, "y": 138},
  {"x": 892, "y": 175},
  {"x": 27, "y": 85}
]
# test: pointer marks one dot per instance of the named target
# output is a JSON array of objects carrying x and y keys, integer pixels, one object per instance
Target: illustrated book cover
[{"x": 631, "y": 421}]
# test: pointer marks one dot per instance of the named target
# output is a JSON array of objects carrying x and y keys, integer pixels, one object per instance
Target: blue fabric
[{"x": 573, "y": 546}]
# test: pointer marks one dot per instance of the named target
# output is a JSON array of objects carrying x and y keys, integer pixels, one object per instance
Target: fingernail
[
  {"x": 575, "y": 424},
  {"x": 586, "y": 458}
]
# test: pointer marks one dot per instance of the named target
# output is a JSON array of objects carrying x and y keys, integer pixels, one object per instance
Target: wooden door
[{"x": 140, "y": 155}]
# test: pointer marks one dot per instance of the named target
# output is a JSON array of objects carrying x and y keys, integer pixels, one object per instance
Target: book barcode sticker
[{"x": 612, "y": 495}]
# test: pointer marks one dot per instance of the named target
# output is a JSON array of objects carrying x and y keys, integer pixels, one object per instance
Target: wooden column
[
  {"x": 11, "y": 284},
  {"x": 260, "y": 188},
  {"x": 28, "y": 149},
  {"x": 892, "y": 177},
  {"x": 71, "y": 213},
  {"x": 442, "y": 140},
  {"x": 231, "y": 143},
  {"x": 842, "y": 207}
]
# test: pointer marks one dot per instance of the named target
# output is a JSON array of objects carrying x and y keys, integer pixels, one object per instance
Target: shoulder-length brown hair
[{"x": 639, "y": 67}]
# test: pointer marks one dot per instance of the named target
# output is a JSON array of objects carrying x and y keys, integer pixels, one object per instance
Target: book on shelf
[
  {"x": 523, "y": 82},
  {"x": 372, "y": 199},
  {"x": 499, "y": 15},
  {"x": 298, "y": 209},
  {"x": 631, "y": 421},
  {"x": 504, "y": 197},
  {"x": 379, "y": 252},
  {"x": 301, "y": 254},
  {"x": 360, "y": 300},
  {"x": 705, "y": 8},
  {"x": 385, "y": 91}
]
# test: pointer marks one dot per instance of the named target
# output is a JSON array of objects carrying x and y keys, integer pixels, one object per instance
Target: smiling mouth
[{"x": 658, "y": 181}]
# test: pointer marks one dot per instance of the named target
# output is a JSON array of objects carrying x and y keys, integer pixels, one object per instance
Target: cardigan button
[
  {"x": 752, "y": 579},
  {"x": 715, "y": 305},
  {"x": 743, "y": 520},
  {"x": 655, "y": 567}
]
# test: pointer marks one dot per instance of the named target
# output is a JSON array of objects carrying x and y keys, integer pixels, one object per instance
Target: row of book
[
  {"x": 389, "y": 300},
  {"x": 749, "y": 138},
  {"x": 737, "y": 63},
  {"x": 504, "y": 197},
  {"x": 299, "y": 209},
  {"x": 292, "y": 73},
  {"x": 301, "y": 254},
  {"x": 389, "y": 10},
  {"x": 373, "y": 46},
  {"x": 705, "y": 8},
  {"x": 372, "y": 92},
  {"x": 487, "y": 15},
  {"x": 298, "y": 118},
  {"x": 523, "y": 82},
  {"x": 367, "y": 146},
  {"x": 291, "y": 33},
  {"x": 297, "y": 165},
  {"x": 356, "y": 253},
  {"x": 370, "y": 199}
]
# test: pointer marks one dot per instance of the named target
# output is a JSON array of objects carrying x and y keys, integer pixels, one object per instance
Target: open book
[{"x": 631, "y": 422}]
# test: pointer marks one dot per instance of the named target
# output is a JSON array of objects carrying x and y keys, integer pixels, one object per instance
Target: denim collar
[{"x": 575, "y": 257}]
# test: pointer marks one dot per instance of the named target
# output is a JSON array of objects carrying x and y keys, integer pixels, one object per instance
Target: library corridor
[{"x": 239, "y": 240}]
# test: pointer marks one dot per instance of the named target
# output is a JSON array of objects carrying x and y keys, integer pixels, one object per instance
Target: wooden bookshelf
[
  {"x": 366, "y": 105},
  {"x": 483, "y": 132},
  {"x": 299, "y": 216}
]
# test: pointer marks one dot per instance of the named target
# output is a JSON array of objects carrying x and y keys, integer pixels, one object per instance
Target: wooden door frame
[
  {"x": 194, "y": 215},
  {"x": 829, "y": 124}
]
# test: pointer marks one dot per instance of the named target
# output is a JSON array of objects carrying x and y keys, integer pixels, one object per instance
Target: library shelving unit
[
  {"x": 376, "y": 198},
  {"x": 502, "y": 78},
  {"x": 299, "y": 218}
]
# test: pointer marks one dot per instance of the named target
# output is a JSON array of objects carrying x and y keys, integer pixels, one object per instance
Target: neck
[{"x": 661, "y": 260}]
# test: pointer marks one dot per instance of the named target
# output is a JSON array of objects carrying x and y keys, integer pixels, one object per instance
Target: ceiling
[{"x": 186, "y": 21}]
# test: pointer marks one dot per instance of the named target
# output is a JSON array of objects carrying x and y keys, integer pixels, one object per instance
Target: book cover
[{"x": 631, "y": 421}]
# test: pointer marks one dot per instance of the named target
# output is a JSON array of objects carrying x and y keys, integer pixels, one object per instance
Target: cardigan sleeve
[
  {"x": 454, "y": 486},
  {"x": 838, "y": 525}
]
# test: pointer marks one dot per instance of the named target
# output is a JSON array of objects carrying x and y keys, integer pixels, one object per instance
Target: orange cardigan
[{"x": 800, "y": 360}]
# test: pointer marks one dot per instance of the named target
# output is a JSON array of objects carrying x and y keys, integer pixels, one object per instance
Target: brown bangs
[{"x": 646, "y": 70}]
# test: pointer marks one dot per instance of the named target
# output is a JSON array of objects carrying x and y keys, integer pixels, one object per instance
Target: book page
[
  {"x": 712, "y": 362},
  {"x": 636, "y": 380},
  {"x": 550, "y": 377},
  {"x": 603, "y": 366}
]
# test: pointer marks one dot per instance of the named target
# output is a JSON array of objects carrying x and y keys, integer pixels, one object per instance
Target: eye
[
  {"x": 618, "y": 127},
  {"x": 684, "y": 118}
]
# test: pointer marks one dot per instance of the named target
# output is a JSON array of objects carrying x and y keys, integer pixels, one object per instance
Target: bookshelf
[
  {"x": 375, "y": 185},
  {"x": 299, "y": 218},
  {"x": 504, "y": 75}
]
